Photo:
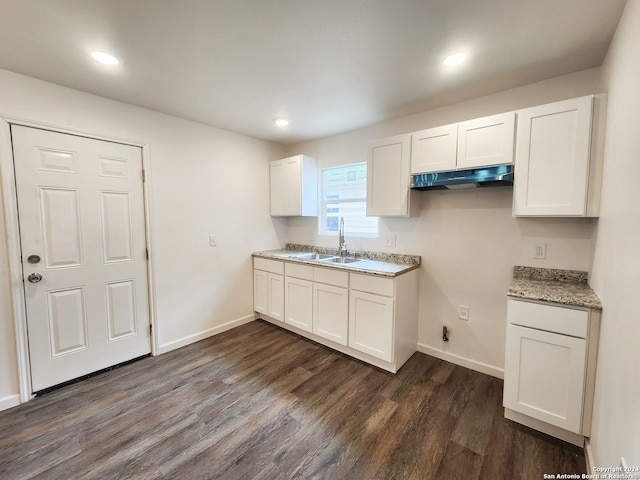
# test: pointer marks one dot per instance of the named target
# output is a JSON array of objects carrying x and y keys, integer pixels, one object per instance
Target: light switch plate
[{"x": 213, "y": 240}]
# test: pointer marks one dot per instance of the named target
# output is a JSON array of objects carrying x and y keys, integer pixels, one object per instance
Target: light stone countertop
[
  {"x": 371, "y": 263},
  {"x": 567, "y": 287}
]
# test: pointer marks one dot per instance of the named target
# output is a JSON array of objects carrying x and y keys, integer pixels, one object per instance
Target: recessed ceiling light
[
  {"x": 281, "y": 122},
  {"x": 105, "y": 58},
  {"x": 455, "y": 58}
]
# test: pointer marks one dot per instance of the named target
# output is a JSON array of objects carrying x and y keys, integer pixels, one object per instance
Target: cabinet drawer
[
  {"x": 298, "y": 271},
  {"x": 564, "y": 320},
  {"x": 368, "y": 283},
  {"x": 331, "y": 277},
  {"x": 273, "y": 266}
]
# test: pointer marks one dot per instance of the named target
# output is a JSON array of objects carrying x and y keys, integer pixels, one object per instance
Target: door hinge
[
  {"x": 146, "y": 251},
  {"x": 144, "y": 176},
  {"x": 150, "y": 329}
]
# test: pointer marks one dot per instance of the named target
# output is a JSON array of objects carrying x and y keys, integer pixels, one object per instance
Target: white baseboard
[
  {"x": 588, "y": 455},
  {"x": 463, "y": 362},
  {"x": 10, "y": 401},
  {"x": 167, "y": 347}
]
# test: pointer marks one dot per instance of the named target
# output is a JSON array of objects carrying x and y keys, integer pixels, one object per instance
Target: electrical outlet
[
  {"x": 213, "y": 240},
  {"x": 463, "y": 312},
  {"x": 540, "y": 251},
  {"x": 391, "y": 240}
]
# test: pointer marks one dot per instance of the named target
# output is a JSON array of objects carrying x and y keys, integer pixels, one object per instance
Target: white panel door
[
  {"x": 388, "y": 179},
  {"x": 371, "y": 324},
  {"x": 81, "y": 210},
  {"x": 544, "y": 376},
  {"x": 486, "y": 141},
  {"x": 298, "y": 299},
  {"x": 552, "y": 159},
  {"x": 331, "y": 312},
  {"x": 278, "y": 187},
  {"x": 276, "y": 296},
  {"x": 434, "y": 149}
]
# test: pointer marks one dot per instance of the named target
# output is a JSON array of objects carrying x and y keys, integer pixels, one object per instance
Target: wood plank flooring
[{"x": 258, "y": 402}]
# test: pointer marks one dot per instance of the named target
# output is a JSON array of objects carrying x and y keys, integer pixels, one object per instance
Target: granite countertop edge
[
  {"x": 565, "y": 287},
  {"x": 371, "y": 263}
]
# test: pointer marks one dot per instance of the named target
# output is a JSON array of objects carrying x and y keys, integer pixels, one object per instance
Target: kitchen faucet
[{"x": 342, "y": 246}]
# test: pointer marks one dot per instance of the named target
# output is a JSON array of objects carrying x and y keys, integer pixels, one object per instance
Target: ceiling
[{"x": 327, "y": 65}]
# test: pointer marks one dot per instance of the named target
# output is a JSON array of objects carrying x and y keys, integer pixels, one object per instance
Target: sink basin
[
  {"x": 342, "y": 260},
  {"x": 315, "y": 256}
]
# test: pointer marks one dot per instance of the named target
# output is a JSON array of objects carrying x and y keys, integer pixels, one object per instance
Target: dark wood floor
[{"x": 258, "y": 402}]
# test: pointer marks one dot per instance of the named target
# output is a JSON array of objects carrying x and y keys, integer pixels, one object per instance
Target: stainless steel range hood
[{"x": 479, "y": 177}]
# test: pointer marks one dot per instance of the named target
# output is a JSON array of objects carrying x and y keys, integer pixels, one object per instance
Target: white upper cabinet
[
  {"x": 388, "y": 179},
  {"x": 294, "y": 186},
  {"x": 434, "y": 149},
  {"x": 486, "y": 141},
  {"x": 481, "y": 142},
  {"x": 558, "y": 168}
]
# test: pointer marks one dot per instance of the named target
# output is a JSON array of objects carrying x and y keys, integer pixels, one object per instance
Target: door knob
[{"x": 34, "y": 277}]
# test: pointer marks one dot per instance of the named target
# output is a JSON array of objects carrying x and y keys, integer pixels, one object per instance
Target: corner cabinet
[
  {"x": 550, "y": 367},
  {"x": 388, "y": 179},
  {"x": 294, "y": 186},
  {"x": 559, "y": 159}
]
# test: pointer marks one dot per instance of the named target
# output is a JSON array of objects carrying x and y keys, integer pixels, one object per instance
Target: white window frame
[{"x": 351, "y": 227}]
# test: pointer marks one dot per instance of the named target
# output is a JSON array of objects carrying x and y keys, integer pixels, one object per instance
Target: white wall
[
  {"x": 468, "y": 239},
  {"x": 203, "y": 180},
  {"x": 616, "y": 271}
]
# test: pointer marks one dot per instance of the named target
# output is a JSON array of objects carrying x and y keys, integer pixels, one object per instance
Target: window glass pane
[
  {"x": 344, "y": 194},
  {"x": 344, "y": 183}
]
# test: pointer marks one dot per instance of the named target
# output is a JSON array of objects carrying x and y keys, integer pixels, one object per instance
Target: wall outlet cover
[
  {"x": 540, "y": 250},
  {"x": 390, "y": 240}
]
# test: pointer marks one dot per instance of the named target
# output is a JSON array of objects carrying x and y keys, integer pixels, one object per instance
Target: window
[{"x": 344, "y": 194}]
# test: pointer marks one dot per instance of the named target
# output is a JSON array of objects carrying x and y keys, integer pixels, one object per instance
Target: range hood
[{"x": 478, "y": 177}]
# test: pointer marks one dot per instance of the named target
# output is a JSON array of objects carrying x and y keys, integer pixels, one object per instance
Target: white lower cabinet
[
  {"x": 331, "y": 305},
  {"x": 372, "y": 315},
  {"x": 268, "y": 288},
  {"x": 371, "y": 324},
  {"x": 550, "y": 367},
  {"x": 298, "y": 296},
  {"x": 369, "y": 317}
]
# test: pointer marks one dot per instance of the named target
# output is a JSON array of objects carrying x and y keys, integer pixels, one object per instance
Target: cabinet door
[
  {"x": 276, "y": 297},
  {"x": 544, "y": 376},
  {"x": 552, "y": 159},
  {"x": 298, "y": 299},
  {"x": 388, "y": 179},
  {"x": 293, "y": 190},
  {"x": 278, "y": 187},
  {"x": 331, "y": 312},
  {"x": 434, "y": 149},
  {"x": 371, "y": 324},
  {"x": 486, "y": 141},
  {"x": 261, "y": 291}
]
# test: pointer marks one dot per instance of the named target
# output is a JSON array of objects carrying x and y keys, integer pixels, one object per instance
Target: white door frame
[{"x": 10, "y": 204}]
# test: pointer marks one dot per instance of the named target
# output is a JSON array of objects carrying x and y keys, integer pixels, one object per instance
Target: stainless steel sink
[
  {"x": 342, "y": 260},
  {"x": 315, "y": 256}
]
